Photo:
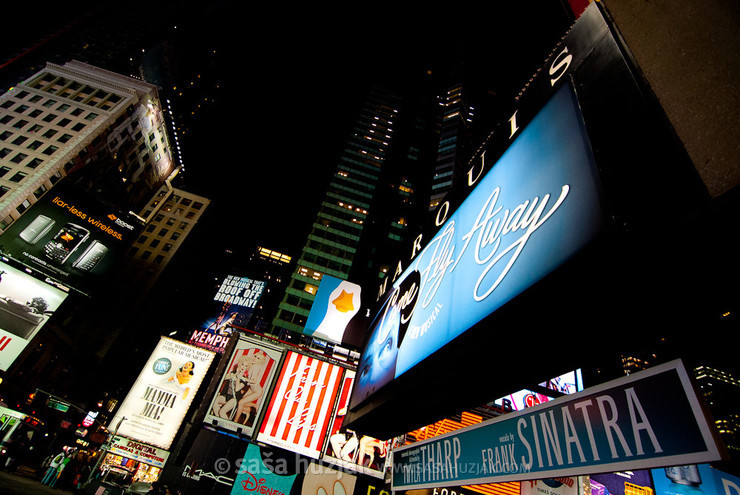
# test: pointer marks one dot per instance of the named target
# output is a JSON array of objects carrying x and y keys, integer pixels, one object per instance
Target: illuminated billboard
[
  {"x": 241, "y": 394},
  {"x": 349, "y": 449},
  {"x": 691, "y": 479},
  {"x": 26, "y": 304},
  {"x": 233, "y": 305},
  {"x": 301, "y": 405},
  {"x": 71, "y": 236},
  {"x": 536, "y": 209},
  {"x": 550, "y": 224},
  {"x": 161, "y": 396},
  {"x": 567, "y": 383},
  {"x": 336, "y": 302}
]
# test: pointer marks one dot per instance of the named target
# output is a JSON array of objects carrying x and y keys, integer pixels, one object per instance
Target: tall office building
[
  {"x": 454, "y": 143},
  {"x": 721, "y": 390},
  {"x": 344, "y": 211},
  {"x": 104, "y": 131},
  {"x": 170, "y": 216},
  {"x": 107, "y": 134}
]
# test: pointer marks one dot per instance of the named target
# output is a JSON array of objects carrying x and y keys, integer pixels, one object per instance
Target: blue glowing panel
[{"x": 536, "y": 208}]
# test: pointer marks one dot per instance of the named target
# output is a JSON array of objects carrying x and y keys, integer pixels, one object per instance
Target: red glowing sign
[{"x": 301, "y": 407}]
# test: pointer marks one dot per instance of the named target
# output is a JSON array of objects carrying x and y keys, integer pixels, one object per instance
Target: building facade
[
  {"x": 107, "y": 134},
  {"x": 344, "y": 212},
  {"x": 102, "y": 130},
  {"x": 170, "y": 217}
]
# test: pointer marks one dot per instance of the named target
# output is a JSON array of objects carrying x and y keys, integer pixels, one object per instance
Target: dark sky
[
  {"x": 291, "y": 80},
  {"x": 292, "y": 77}
]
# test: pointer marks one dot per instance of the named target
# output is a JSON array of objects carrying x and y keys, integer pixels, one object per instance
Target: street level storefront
[{"x": 134, "y": 460}]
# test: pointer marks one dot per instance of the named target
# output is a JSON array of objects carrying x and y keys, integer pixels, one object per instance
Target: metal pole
[{"x": 103, "y": 450}]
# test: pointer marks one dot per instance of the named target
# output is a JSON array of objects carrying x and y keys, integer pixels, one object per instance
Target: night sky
[{"x": 292, "y": 80}]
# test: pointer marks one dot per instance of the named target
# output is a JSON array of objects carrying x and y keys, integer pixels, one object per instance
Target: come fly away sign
[{"x": 649, "y": 419}]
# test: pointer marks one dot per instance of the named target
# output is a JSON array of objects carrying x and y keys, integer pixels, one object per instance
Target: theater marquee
[{"x": 648, "y": 419}]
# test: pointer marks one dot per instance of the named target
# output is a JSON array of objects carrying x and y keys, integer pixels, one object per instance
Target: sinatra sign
[
  {"x": 648, "y": 419},
  {"x": 535, "y": 209}
]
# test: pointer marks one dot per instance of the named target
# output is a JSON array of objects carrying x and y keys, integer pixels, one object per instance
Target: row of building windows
[
  {"x": 322, "y": 232},
  {"x": 344, "y": 180},
  {"x": 337, "y": 212},
  {"x": 338, "y": 266},
  {"x": 76, "y": 91},
  {"x": 39, "y": 129},
  {"x": 340, "y": 192},
  {"x": 353, "y": 229},
  {"x": 335, "y": 251}
]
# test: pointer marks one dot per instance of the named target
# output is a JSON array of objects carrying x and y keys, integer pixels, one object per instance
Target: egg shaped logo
[{"x": 162, "y": 366}]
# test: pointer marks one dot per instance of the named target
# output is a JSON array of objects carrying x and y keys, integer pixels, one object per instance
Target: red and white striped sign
[{"x": 302, "y": 405}]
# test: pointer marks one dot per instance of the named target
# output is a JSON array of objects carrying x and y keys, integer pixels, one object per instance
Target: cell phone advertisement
[{"x": 71, "y": 237}]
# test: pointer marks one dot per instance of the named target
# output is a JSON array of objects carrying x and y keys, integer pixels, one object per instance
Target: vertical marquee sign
[
  {"x": 162, "y": 394},
  {"x": 301, "y": 405}
]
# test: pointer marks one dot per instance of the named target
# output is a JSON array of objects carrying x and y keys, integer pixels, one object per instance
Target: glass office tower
[{"x": 344, "y": 211}]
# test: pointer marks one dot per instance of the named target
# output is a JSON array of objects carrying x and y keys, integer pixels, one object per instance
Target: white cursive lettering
[{"x": 491, "y": 225}]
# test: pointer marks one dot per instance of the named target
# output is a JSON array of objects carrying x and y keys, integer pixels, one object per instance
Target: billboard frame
[{"x": 620, "y": 115}]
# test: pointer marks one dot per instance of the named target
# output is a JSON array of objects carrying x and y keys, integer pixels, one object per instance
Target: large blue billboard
[{"x": 534, "y": 210}]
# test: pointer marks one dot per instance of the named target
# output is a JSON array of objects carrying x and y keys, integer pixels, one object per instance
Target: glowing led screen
[
  {"x": 71, "y": 236},
  {"x": 26, "y": 304},
  {"x": 535, "y": 209},
  {"x": 336, "y": 302}
]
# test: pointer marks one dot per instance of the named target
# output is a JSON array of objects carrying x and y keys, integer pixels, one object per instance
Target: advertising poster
[
  {"x": 626, "y": 424},
  {"x": 233, "y": 305},
  {"x": 301, "y": 405},
  {"x": 511, "y": 488},
  {"x": 161, "y": 396},
  {"x": 350, "y": 450},
  {"x": 71, "y": 236},
  {"x": 534, "y": 210},
  {"x": 521, "y": 400},
  {"x": 241, "y": 393},
  {"x": 622, "y": 483},
  {"x": 336, "y": 303},
  {"x": 26, "y": 304},
  {"x": 694, "y": 479},
  {"x": 567, "y": 383}
]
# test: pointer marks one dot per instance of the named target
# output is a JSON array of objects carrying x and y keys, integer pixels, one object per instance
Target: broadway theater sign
[{"x": 648, "y": 419}]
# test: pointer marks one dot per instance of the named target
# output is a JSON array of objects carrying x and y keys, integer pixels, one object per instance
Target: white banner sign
[{"x": 161, "y": 396}]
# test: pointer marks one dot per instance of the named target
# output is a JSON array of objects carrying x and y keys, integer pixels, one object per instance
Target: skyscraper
[
  {"x": 452, "y": 148},
  {"x": 107, "y": 134},
  {"x": 106, "y": 131},
  {"x": 345, "y": 210}
]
